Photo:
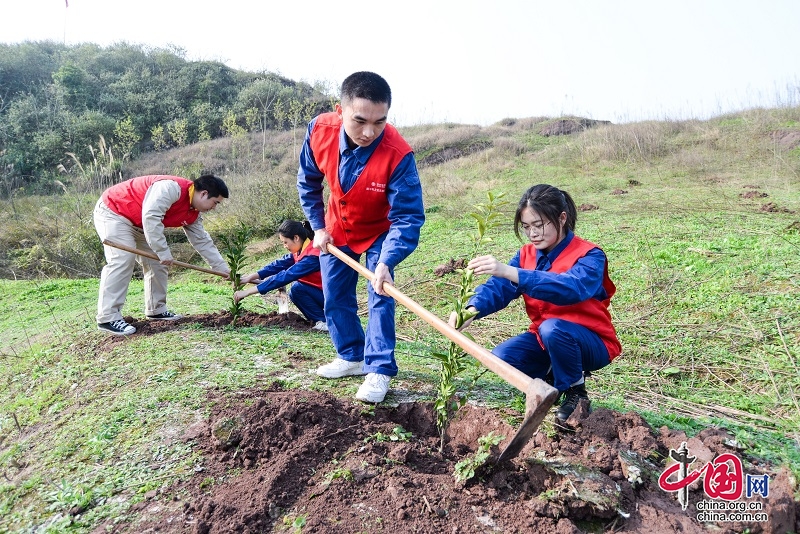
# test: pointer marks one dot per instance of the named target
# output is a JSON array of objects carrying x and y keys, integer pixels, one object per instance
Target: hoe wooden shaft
[{"x": 152, "y": 256}]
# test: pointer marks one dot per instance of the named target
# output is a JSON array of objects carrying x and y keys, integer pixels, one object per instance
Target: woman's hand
[
  {"x": 239, "y": 295},
  {"x": 453, "y": 320},
  {"x": 490, "y": 266},
  {"x": 248, "y": 278}
]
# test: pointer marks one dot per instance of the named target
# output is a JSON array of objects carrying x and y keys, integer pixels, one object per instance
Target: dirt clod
[{"x": 450, "y": 267}]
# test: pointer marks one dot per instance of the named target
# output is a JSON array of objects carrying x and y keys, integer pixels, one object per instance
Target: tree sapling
[{"x": 454, "y": 361}]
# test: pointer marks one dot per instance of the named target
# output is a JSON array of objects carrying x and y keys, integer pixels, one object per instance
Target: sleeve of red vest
[
  {"x": 406, "y": 213},
  {"x": 310, "y": 186},
  {"x": 496, "y": 293},
  {"x": 281, "y": 264},
  {"x": 159, "y": 198},
  {"x": 304, "y": 267},
  {"x": 204, "y": 245}
]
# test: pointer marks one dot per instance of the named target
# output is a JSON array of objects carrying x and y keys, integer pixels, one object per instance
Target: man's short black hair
[
  {"x": 215, "y": 186},
  {"x": 367, "y": 85}
]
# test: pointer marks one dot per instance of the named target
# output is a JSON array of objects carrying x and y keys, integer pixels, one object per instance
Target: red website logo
[{"x": 723, "y": 478}]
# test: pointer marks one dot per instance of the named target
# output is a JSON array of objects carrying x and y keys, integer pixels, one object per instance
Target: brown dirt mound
[
  {"x": 753, "y": 194},
  {"x": 787, "y": 139},
  {"x": 292, "y": 461},
  {"x": 771, "y": 207},
  {"x": 210, "y": 320},
  {"x": 448, "y": 153}
]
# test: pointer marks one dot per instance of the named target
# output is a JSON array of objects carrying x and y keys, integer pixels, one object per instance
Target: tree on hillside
[
  {"x": 261, "y": 94},
  {"x": 73, "y": 84}
]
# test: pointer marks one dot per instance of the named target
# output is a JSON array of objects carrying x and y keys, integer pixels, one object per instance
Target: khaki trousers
[{"x": 116, "y": 275}]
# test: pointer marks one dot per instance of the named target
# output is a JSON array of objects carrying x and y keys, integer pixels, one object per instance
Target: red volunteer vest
[
  {"x": 313, "y": 279},
  {"x": 126, "y": 198},
  {"x": 591, "y": 313},
  {"x": 356, "y": 218}
]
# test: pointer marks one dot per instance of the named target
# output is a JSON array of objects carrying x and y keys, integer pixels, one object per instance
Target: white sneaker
[
  {"x": 374, "y": 388},
  {"x": 339, "y": 368},
  {"x": 119, "y": 327},
  {"x": 321, "y": 326}
]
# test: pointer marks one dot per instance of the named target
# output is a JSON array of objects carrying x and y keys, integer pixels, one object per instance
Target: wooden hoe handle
[{"x": 152, "y": 256}]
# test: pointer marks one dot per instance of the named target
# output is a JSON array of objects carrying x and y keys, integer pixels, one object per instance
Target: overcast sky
[{"x": 469, "y": 61}]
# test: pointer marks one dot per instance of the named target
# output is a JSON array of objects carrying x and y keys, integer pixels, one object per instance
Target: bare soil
[{"x": 276, "y": 460}]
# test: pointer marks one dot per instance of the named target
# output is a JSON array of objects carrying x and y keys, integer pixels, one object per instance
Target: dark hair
[
  {"x": 289, "y": 229},
  {"x": 213, "y": 185},
  {"x": 549, "y": 202},
  {"x": 367, "y": 85}
]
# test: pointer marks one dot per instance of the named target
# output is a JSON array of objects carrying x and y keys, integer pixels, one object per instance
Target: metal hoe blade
[{"x": 538, "y": 400}]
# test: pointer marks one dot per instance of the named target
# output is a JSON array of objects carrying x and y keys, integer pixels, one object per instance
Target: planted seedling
[
  {"x": 398, "y": 433},
  {"x": 234, "y": 247},
  {"x": 339, "y": 472},
  {"x": 466, "y": 468},
  {"x": 454, "y": 361},
  {"x": 295, "y": 522}
]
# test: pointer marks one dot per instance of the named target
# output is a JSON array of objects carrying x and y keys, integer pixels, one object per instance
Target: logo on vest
[{"x": 376, "y": 187}]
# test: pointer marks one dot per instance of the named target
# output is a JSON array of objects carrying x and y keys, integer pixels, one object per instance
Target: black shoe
[
  {"x": 571, "y": 398},
  {"x": 166, "y": 316},
  {"x": 118, "y": 328}
]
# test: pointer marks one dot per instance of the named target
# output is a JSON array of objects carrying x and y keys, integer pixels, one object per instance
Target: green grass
[{"x": 707, "y": 309}]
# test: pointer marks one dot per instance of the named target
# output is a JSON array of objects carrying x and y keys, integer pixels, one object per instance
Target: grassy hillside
[{"x": 699, "y": 219}]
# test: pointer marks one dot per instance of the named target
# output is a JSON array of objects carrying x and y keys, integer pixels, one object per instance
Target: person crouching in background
[{"x": 300, "y": 266}]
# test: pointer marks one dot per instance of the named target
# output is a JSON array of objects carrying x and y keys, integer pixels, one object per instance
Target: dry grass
[
  {"x": 250, "y": 154},
  {"x": 261, "y": 178},
  {"x": 425, "y": 139},
  {"x": 456, "y": 162}
]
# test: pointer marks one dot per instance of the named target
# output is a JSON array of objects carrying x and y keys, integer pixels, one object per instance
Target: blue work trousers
[
  {"x": 309, "y": 300},
  {"x": 570, "y": 349},
  {"x": 339, "y": 280}
]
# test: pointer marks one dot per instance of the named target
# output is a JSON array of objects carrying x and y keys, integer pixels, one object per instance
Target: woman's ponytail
[{"x": 290, "y": 228}]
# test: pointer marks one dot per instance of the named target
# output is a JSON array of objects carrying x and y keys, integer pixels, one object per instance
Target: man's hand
[
  {"x": 382, "y": 275},
  {"x": 168, "y": 262},
  {"x": 321, "y": 240}
]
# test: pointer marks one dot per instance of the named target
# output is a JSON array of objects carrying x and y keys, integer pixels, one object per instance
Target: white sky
[{"x": 468, "y": 61}]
